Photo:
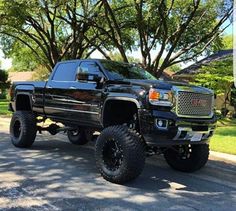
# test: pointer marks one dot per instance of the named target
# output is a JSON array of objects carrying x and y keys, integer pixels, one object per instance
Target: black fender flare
[{"x": 118, "y": 98}]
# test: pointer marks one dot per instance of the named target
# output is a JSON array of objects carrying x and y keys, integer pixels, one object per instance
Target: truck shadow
[{"x": 53, "y": 167}]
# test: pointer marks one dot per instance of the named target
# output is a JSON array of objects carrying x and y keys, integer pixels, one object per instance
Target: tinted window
[
  {"x": 65, "y": 72},
  {"x": 121, "y": 71},
  {"x": 91, "y": 68}
]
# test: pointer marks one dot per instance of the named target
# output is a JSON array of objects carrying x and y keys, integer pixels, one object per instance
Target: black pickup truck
[{"x": 135, "y": 114}]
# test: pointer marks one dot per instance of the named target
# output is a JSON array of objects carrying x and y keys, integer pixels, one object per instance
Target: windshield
[{"x": 120, "y": 71}]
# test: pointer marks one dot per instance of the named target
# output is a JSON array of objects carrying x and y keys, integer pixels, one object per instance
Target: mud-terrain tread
[
  {"x": 198, "y": 158},
  {"x": 133, "y": 152},
  {"x": 28, "y": 129}
]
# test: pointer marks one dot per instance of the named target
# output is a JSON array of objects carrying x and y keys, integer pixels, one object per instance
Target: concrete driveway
[{"x": 56, "y": 175}]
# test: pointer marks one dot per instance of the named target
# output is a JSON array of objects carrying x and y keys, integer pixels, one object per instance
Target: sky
[{"x": 6, "y": 62}]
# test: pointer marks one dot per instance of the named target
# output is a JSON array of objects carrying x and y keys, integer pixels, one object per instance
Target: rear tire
[
  {"x": 77, "y": 137},
  {"x": 187, "y": 158},
  {"x": 23, "y": 129},
  {"x": 120, "y": 154}
]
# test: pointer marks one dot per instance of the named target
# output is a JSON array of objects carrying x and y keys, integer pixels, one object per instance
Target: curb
[{"x": 228, "y": 158}]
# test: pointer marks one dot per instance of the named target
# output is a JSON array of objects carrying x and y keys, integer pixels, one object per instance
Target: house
[
  {"x": 187, "y": 74},
  {"x": 20, "y": 76},
  {"x": 167, "y": 75}
]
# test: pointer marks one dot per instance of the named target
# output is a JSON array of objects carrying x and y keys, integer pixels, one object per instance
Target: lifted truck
[{"x": 136, "y": 115}]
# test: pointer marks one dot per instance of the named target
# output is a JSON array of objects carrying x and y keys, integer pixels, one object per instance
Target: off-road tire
[
  {"x": 80, "y": 138},
  {"x": 197, "y": 158},
  {"x": 23, "y": 129},
  {"x": 131, "y": 150}
]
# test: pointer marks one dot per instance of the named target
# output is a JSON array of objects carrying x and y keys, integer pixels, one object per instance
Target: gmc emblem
[{"x": 199, "y": 102}]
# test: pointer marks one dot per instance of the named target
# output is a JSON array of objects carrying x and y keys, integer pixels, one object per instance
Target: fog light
[{"x": 161, "y": 123}]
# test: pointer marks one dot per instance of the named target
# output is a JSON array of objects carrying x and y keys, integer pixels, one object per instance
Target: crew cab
[{"x": 135, "y": 114}]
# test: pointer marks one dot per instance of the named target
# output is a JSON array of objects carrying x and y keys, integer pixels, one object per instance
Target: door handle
[
  {"x": 72, "y": 87},
  {"x": 49, "y": 87}
]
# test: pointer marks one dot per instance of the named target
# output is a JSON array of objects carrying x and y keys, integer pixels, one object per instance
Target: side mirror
[{"x": 85, "y": 76}]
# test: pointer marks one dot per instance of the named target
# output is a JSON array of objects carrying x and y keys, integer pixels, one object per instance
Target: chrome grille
[{"x": 190, "y": 104}]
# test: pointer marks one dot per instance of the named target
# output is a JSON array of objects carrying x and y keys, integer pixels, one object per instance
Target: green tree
[
  {"x": 176, "y": 30},
  {"x": 3, "y": 76},
  {"x": 167, "y": 32},
  {"x": 115, "y": 56},
  {"x": 41, "y": 73},
  {"x": 52, "y": 30},
  {"x": 22, "y": 58},
  {"x": 175, "y": 68},
  {"x": 218, "y": 76},
  {"x": 228, "y": 42},
  {"x": 4, "y": 84}
]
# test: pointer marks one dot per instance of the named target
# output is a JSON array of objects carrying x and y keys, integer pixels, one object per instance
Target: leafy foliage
[
  {"x": 115, "y": 56},
  {"x": 41, "y": 73},
  {"x": 52, "y": 30},
  {"x": 166, "y": 32},
  {"x": 177, "y": 31},
  {"x": 22, "y": 58},
  {"x": 228, "y": 42},
  {"x": 3, "y": 76},
  {"x": 4, "y": 84},
  {"x": 233, "y": 98},
  {"x": 218, "y": 76}
]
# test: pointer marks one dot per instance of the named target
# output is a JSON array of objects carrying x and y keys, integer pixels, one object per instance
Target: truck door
[
  {"x": 56, "y": 102},
  {"x": 85, "y": 95}
]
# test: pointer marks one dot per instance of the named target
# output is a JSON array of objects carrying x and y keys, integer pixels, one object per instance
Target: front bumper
[{"x": 174, "y": 130}]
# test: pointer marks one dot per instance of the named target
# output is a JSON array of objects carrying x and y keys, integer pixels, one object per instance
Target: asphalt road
[{"x": 56, "y": 175}]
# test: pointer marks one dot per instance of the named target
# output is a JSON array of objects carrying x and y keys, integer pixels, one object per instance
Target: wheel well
[
  {"x": 117, "y": 112},
  {"x": 23, "y": 103}
]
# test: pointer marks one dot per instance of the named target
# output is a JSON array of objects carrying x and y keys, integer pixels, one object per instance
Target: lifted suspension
[
  {"x": 53, "y": 129},
  {"x": 151, "y": 150}
]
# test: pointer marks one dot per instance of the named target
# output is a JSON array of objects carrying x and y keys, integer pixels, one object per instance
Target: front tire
[
  {"x": 187, "y": 158},
  {"x": 23, "y": 129},
  {"x": 120, "y": 154}
]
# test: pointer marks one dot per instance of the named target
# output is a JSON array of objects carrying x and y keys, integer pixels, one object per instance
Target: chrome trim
[
  {"x": 192, "y": 116},
  {"x": 190, "y": 132},
  {"x": 162, "y": 103},
  {"x": 71, "y": 110},
  {"x": 68, "y": 100},
  {"x": 124, "y": 99}
]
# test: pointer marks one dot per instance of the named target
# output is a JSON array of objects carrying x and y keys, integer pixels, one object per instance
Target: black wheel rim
[
  {"x": 17, "y": 128},
  {"x": 112, "y": 155},
  {"x": 74, "y": 132},
  {"x": 184, "y": 152}
]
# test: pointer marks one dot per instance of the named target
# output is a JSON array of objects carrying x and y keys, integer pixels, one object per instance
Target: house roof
[
  {"x": 167, "y": 74},
  {"x": 20, "y": 76},
  {"x": 193, "y": 69}
]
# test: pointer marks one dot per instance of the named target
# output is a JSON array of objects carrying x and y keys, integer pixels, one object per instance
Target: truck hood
[{"x": 169, "y": 85}]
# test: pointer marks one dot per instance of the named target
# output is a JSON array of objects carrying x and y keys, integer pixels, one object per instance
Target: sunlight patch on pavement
[
  {"x": 4, "y": 123},
  {"x": 10, "y": 180},
  {"x": 176, "y": 186},
  {"x": 22, "y": 202},
  {"x": 140, "y": 199},
  {"x": 104, "y": 194},
  {"x": 10, "y": 177}
]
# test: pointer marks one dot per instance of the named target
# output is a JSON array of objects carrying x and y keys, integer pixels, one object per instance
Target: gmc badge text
[{"x": 135, "y": 114}]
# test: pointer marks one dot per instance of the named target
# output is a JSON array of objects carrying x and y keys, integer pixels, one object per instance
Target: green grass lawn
[
  {"x": 224, "y": 140},
  {"x": 4, "y": 108}
]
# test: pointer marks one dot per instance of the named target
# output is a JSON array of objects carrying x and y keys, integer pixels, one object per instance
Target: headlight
[{"x": 160, "y": 97}]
